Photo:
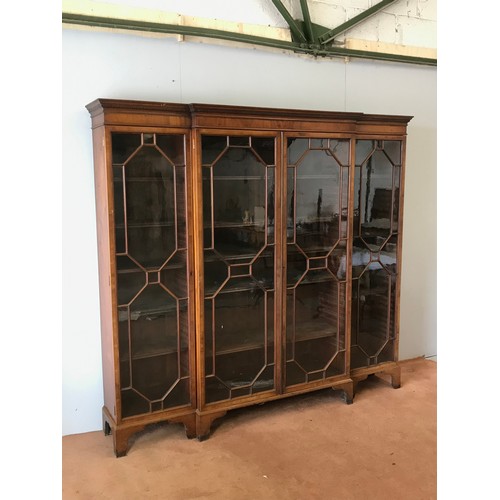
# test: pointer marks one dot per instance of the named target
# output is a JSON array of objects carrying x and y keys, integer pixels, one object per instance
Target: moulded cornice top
[
  {"x": 101, "y": 104},
  {"x": 291, "y": 113},
  {"x": 220, "y": 115}
]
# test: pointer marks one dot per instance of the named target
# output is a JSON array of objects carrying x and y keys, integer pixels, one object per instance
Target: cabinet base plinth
[
  {"x": 391, "y": 369},
  {"x": 348, "y": 391},
  {"x": 204, "y": 424},
  {"x": 122, "y": 432}
]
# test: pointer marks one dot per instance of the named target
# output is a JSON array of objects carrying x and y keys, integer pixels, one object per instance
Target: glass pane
[
  {"x": 263, "y": 269},
  {"x": 216, "y": 272},
  {"x": 375, "y": 246},
  {"x": 181, "y": 206},
  {"x": 207, "y": 207},
  {"x": 153, "y": 322},
  {"x": 364, "y": 149},
  {"x": 151, "y": 377},
  {"x": 264, "y": 148},
  {"x": 124, "y": 346},
  {"x": 296, "y": 265},
  {"x": 393, "y": 151},
  {"x": 239, "y": 141},
  {"x": 336, "y": 261},
  {"x": 148, "y": 138},
  {"x": 371, "y": 314},
  {"x": 239, "y": 203},
  {"x": 315, "y": 330},
  {"x": 239, "y": 320},
  {"x": 296, "y": 148},
  {"x": 152, "y": 285},
  {"x": 317, "y": 194},
  {"x": 130, "y": 277},
  {"x": 158, "y": 327},
  {"x": 344, "y": 215},
  {"x": 317, "y": 201},
  {"x": 183, "y": 346},
  {"x": 290, "y": 205},
  {"x": 172, "y": 146},
  {"x": 376, "y": 197},
  {"x": 270, "y": 205},
  {"x": 388, "y": 254},
  {"x": 119, "y": 204},
  {"x": 341, "y": 150},
  {"x": 238, "y": 212},
  {"x": 150, "y": 207},
  {"x": 212, "y": 147},
  {"x": 174, "y": 275},
  {"x": 133, "y": 403},
  {"x": 123, "y": 145},
  {"x": 395, "y": 208},
  {"x": 238, "y": 341}
]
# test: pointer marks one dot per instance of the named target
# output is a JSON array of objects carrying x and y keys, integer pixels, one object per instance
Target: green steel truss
[{"x": 307, "y": 37}]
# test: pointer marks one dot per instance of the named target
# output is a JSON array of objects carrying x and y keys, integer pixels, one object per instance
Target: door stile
[
  {"x": 400, "y": 248},
  {"x": 198, "y": 268},
  {"x": 102, "y": 138},
  {"x": 279, "y": 265},
  {"x": 350, "y": 232},
  {"x": 190, "y": 223}
]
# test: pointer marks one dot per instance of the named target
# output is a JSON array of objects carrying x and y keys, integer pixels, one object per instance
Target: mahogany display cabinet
[{"x": 245, "y": 255}]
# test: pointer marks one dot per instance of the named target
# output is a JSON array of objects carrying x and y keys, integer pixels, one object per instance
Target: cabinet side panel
[
  {"x": 400, "y": 247},
  {"x": 105, "y": 279}
]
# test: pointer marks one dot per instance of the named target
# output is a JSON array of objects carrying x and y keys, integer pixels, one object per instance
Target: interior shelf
[
  {"x": 255, "y": 226},
  {"x": 134, "y": 225},
  {"x": 304, "y": 333}
]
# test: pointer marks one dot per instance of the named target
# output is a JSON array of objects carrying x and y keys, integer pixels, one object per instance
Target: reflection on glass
[
  {"x": 151, "y": 265},
  {"x": 238, "y": 217},
  {"x": 374, "y": 258},
  {"x": 317, "y": 200}
]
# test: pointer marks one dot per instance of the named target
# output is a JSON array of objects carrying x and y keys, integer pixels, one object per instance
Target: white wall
[{"x": 97, "y": 64}]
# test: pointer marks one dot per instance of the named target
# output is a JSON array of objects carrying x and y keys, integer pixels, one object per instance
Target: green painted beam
[
  {"x": 173, "y": 29},
  {"x": 307, "y": 21},
  {"x": 294, "y": 27},
  {"x": 331, "y": 34},
  {"x": 314, "y": 50}
]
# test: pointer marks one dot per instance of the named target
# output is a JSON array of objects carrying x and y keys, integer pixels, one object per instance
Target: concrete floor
[{"x": 307, "y": 447}]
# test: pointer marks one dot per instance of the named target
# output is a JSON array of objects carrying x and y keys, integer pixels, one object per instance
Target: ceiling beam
[
  {"x": 307, "y": 20},
  {"x": 304, "y": 48},
  {"x": 294, "y": 27}
]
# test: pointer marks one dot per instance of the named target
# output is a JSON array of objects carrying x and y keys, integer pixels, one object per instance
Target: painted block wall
[
  {"x": 97, "y": 64},
  {"x": 406, "y": 22}
]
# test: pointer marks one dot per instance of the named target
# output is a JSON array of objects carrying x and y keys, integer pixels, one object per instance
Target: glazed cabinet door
[
  {"x": 376, "y": 250},
  {"x": 149, "y": 173},
  {"x": 316, "y": 253},
  {"x": 238, "y": 174}
]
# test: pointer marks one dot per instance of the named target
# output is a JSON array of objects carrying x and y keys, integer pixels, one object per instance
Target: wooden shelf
[
  {"x": 238, "y": 177},
  {"x": 153, "y": 351},
  {"x": 237, "y": 225},
  {"x": 135, "y": 225},
  {"x": 306, "y": 333}
]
